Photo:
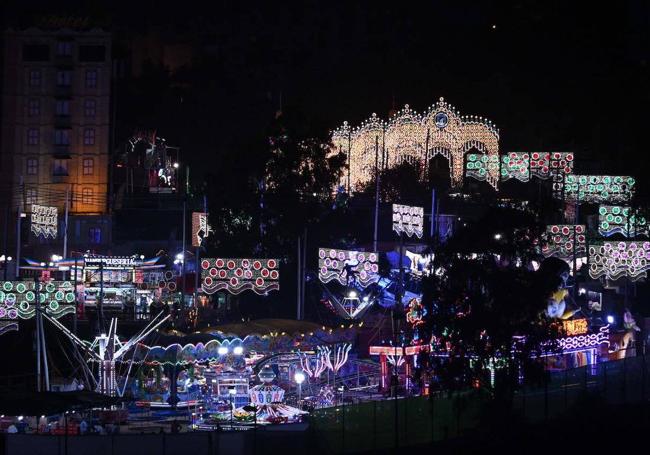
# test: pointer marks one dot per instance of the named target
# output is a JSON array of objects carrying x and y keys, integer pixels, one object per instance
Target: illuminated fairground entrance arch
[{"x": 416, "y": 139}]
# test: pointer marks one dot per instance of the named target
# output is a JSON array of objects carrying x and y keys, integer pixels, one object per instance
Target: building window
[
  {"x": 61, "y": 137},
  {"x": 62, "y": 107},
  {"x": 89, "y": 136},
  {"x": 34, "y": 107},
  {"x": 86, "y": 196},
  {"x": 60, "y": 168},
  {"x": 95, "y": 235},
  {"x": 33, "y": 136},
  {"x": 64, "y": 48},
  {"x": 35, "y": 78},
  {"x": 32, "y": 166},
  {"x": 90, "y": 107},
  {"x": 88, "y": 166},
  {"x": 31, "y": 196},
  {"x": 64, "y": 78},
  {"x": 91, "y": 78}
]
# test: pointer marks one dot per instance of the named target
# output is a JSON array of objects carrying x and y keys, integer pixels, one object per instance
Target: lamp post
[
  {"x": 231, "y": 391},
  {"x": 299, "y": 377}
]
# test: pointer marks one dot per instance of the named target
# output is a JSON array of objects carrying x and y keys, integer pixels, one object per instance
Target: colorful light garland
[
  {"x": 615, "y": 260},
  {"x": 416, "y": 313},
  {"x": 599, "y": 188},
  {"x": 561, "y": 239},
  {"x": 347, "y": 267},
  {"x": 238, "y": 275},
  {"x": 616, "y": 219},
  {"x": 408, "y": 220}
]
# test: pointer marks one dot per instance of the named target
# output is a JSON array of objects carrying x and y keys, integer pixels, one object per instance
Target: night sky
[{"x": 552, "y": 75}]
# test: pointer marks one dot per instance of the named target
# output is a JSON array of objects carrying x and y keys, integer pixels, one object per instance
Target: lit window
[
  {"x": 95, "y": 235},
  {"x": 64, "y": 48},
  {"x": 31, "y": 196},
  {"x": 86, "y": 196},
  {"x": 89, "y": 136},
  {"x": 33, "y": 136},
  {"x": 90, "y": 107},
  {"x": 35, "y": 78},
  {"x": 64, "y": 78},
  {"x": 62, "y": 107},
  {"x": 60, "y": 167},
  {"x": 91, "y": 78},
  {"x": 32, "y": 166},
  {"x": 88, "y": 166},
  {"x": 34, "y": 107},
  {"x": 62, "y": 137}
]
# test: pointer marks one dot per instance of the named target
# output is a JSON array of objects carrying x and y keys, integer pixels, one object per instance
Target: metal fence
[{"x": 402, "y": 422}]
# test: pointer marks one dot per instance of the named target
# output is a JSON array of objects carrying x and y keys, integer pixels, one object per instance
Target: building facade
[{"x": 56, "y": 126}]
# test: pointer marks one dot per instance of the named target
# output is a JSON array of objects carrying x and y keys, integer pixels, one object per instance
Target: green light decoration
[
  {"x": 599, "y": 188},
  {"x": 18, "y": 301},
  {"x": 617, "y": 219},
  {"x": 480, "y": 166}
]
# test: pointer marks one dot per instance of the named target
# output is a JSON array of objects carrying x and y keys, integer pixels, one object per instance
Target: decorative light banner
[
  {"x": 408, "y": 220},
  {"x": 515, "y": 166},
  {"x": 615, "y": 260},
  {"x": 585, "y": 341},
  {"x": 200, "y": 228},
  {"x": 599, "y": 188},
  {"x": 616, "y": 219},
  {"x": 18, "y": 301},
  {"x": 546, "y": 165},
  {"x": 347, "y": 267},
  {"x": 44, "y": 221},
  {"x": 238, "y": 275},
  {"x": 480, "y": 166},
  {"x": 560, "y": 240}
]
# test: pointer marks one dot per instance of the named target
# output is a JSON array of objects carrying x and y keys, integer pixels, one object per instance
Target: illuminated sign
[
  {"x": 386, "y": 350},
  {"x": 599, "y": 188},
  {"x": 111, "y": 262},
  {"x": 200, "y": 228},
  {"x": 575, "y": 327},
  {"x": 408, "y": 220},
  {"x": 44, "y": 220}
]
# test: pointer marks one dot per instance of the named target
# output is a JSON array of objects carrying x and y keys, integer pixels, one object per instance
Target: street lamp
[
  {"x": 299, "y": 377},
  {"x": 5, "y": 260}
]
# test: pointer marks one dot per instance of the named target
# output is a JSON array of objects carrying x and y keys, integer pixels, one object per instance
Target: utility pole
[
  {"x": 65, "y": 226},
  {"x": 18, "y": 229},
  {"x": 6, "y": 239},
  {"x": 377, "y": 178},
  {"x": 298, "y": 279}
]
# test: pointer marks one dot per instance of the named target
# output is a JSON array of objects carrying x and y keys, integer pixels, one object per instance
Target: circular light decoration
[
  {"x": 7, "y": 286},
  {"x": 441, "y": 120},
  {"x": 54, "y": 305},
  {"x": 59, "y": 295},
  {"x": 24, "y": 306},
  {"x": 50, "y": 287},
  {"x": 20, "y": 287},
  {"x": 30, "y": 296},
  {"x": 69, "y": 297}
]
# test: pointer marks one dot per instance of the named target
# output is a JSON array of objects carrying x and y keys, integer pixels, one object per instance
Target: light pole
[
  {"x": 231, "y": 391},
  {"x": 5, "y": 260},
  {"x": 299, "y": 377}
]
